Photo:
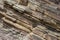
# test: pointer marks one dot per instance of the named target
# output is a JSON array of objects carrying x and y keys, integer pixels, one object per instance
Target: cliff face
[{"x": 29, "y": 20}]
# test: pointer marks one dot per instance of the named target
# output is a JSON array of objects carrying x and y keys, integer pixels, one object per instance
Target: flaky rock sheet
[{"x": 29, "y": 19}]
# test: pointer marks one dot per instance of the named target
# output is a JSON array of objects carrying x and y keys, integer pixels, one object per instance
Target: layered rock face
[{"x": 29, "y": 20}]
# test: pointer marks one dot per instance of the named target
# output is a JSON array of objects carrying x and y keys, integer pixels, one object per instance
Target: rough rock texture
[
  {"x": 10, "y": 33},
  {"x": 29, "y": 20}
]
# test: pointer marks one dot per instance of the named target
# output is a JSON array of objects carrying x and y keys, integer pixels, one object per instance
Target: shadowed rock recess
[{"x": 29, "y": 19}]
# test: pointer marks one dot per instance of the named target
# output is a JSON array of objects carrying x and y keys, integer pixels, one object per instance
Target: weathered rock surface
[{"x": 29, "y": 20}]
